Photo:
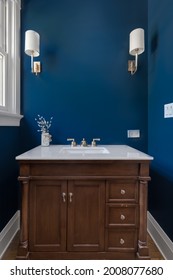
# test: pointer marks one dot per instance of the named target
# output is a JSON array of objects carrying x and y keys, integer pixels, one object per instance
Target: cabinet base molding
[
  {"x": 23, "y": 253},
  {"x": 82, "y": 256}
]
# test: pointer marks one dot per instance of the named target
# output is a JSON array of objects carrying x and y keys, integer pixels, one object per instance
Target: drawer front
[
  {"x": 122, "y": 190},
  {"x": 117, "y": 240},
  {"x": 121, "y": 215}
]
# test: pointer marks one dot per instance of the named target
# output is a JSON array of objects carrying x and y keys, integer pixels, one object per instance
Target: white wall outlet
[
  {"x": 135, "y": 133},
  {"x": 168, "y": 110}
]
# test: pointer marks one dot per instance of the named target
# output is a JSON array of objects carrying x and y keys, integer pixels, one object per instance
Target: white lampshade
[
  {"x": 32, "y": 43},
  {"x": 136, "y": 41}
]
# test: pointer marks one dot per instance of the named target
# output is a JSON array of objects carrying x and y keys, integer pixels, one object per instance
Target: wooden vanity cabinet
[{"x": 83, "y": 209}]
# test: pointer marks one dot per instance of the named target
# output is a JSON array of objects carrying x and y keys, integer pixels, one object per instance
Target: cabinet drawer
[
  {"x": 121, "y": 215},
  {"x": 121, "y": 240},
  {"x": 122, "y": 190}
]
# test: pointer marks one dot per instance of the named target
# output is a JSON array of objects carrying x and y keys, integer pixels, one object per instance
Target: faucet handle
[
  {"x": 73, "y": 142},
  {"x": 93, "y": 143}
]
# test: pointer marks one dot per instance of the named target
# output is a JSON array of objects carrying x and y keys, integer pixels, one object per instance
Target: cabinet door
[
  {"x": 47, "y": 215},
  {"x": 86, "y": 215}
]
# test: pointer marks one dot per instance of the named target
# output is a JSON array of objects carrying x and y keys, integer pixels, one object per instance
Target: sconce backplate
[
  {"x": 37, "y": 67},
  {"x": 131, "y": 66}
]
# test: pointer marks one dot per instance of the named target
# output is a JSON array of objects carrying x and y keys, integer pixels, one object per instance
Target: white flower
[{"x": 43, "y": 124}]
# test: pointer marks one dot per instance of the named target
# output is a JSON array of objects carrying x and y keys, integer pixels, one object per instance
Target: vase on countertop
[{"x": 46, "y": 138}]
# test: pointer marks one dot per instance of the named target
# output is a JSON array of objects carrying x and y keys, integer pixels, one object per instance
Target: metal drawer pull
[
  {"x": 123, "y": 192},
  {"x": 122, "y": 241},
  {"x": 70, "y": 196},
  {"x": 122, "y": 217},
  {"x": 64, "y": 197}
]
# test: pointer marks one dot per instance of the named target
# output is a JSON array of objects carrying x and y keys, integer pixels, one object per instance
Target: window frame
[
  {"x": 10, "y": 113},
  {"x": 3, "y": 106}
]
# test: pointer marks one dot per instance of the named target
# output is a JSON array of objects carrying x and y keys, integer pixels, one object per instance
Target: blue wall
[
  {"x": 9, "y": 187},
  {"x": 160, "y": 130},
  {"x": 84, "y": 82}
]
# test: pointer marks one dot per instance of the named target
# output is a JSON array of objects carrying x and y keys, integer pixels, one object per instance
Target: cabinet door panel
[
  {"x": 47, "y": 216},
  {"x": 86, "y": 211}
]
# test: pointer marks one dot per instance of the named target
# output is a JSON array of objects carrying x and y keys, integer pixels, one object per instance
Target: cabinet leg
[
  {"x": 143, "y": 251},
  {"x": 22, "y": 252}
]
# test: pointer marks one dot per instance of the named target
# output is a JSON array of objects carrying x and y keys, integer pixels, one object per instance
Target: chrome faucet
[{"x": 83, "y": 143}]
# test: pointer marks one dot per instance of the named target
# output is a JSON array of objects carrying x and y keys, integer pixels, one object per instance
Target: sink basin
[{"x": 84, "y": 150}]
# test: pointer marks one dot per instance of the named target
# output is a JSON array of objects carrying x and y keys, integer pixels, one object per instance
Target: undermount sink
[{"x": 84, "y": 150}]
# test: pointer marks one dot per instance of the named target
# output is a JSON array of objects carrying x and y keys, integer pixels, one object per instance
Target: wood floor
[{"x": 10, "y": 254}]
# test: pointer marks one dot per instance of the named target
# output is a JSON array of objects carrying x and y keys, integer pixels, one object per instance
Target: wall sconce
[
  {"x": 32, "y": 48},
  {"x": 136, "y": 47}
]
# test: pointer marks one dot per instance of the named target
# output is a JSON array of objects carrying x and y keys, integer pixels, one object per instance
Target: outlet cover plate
[
  {"x": 133, "y": 133},
  {"x": 168, "y": 110}
]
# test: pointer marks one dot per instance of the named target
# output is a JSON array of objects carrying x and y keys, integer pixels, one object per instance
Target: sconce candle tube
[
  {"x": 32, "y": 63},
  {"x": 136, "y": 61}
]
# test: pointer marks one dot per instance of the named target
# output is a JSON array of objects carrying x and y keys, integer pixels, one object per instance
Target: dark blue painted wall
[
  {"x": 84, "y": 82},
  {"x": 160, "y": 88},
  {"x": 9, "y": 148}
]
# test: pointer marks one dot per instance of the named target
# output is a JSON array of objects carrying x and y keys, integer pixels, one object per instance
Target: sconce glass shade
[
  {"x": 32, "y": 43},
  {"x": 136, "y": 41}
]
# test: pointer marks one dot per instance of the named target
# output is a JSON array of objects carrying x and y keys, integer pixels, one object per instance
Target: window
[{"x": 10, "y": 62}]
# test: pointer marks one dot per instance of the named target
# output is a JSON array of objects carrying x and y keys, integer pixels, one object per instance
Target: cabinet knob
[
  {"x": 64, "y": 197},
  {"x": 123, "y": 191},
  {"x": 122, "y": 241},
  {"x": 70, "y": 196},
  {"x": 122, "y": 217}
]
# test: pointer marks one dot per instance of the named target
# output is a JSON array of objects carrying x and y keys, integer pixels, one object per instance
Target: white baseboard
[
  {"x": 163, "y": 242},
  {"x": 7, "y": 234}
]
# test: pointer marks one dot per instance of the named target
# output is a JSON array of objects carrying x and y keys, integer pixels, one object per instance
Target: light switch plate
[
  {"x": 135, "y": 133},
  {"x": 168, "y": 110}
]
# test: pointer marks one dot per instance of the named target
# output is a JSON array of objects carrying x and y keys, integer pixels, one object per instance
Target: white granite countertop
[{"x": 66, "y": 152}]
